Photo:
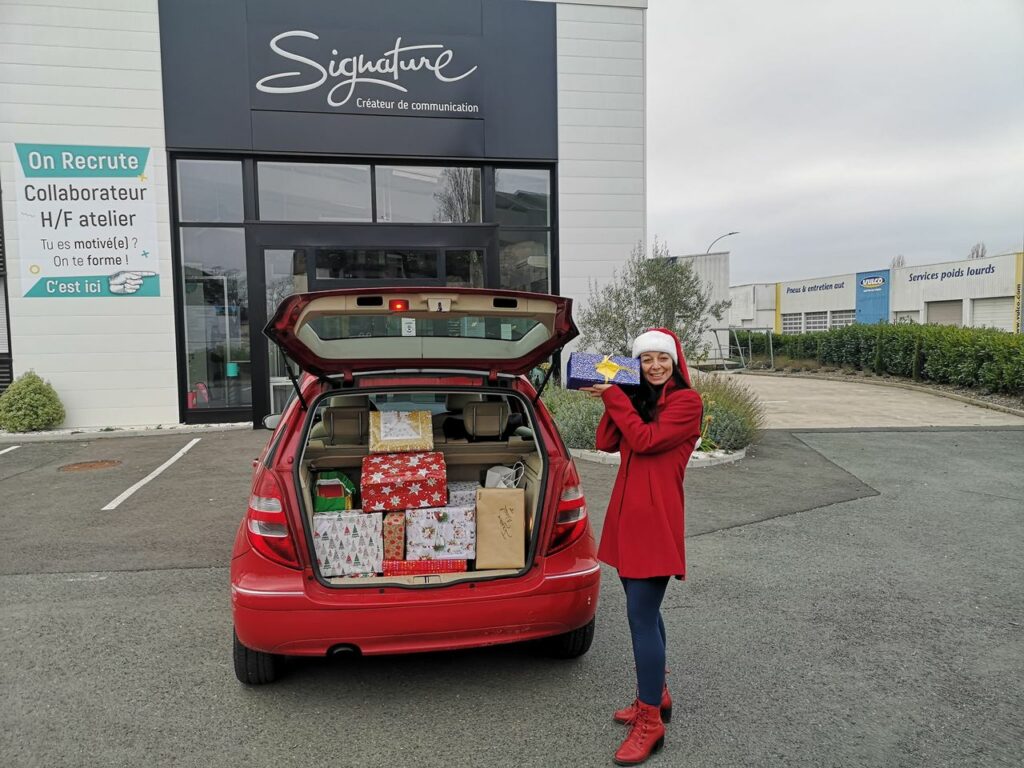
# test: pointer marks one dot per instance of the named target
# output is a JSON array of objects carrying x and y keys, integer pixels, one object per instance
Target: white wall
[
  {"x": 912, "y": 287},
  {"x": 88, "y": 72},
  {"x": 601, "y": 141},
  {"x": 819, "y": 294}
]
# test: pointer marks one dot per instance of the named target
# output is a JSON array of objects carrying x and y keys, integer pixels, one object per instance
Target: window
[
  {"x": 840, "y": 318},
  {"x": 376, "y": 264},
  {"x": 816, "y": 321},
  {"x": 216, "y": 317},
  {"x": 418, "y": 194},
  {"x": 286, "y": 274},
  {"x": 792, "y": 323},
  {"x": 522, "y": 197},
  {"x": 464, "y": 268},
  {"x": 314, "y": 192},
  {"x": 524, "y": 261},
  {"x": 210, "y": 191}
]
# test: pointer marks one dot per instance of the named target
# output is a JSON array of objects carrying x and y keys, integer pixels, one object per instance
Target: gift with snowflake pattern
[
  {"x": 441, "y": 533},
  {"x": 397, "y": 481}
]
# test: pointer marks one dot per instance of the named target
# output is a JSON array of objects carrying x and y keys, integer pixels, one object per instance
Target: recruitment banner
[{"x": 86, "y": 221}]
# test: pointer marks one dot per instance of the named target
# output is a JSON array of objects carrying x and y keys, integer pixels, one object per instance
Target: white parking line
[
  {"x": 116, "y": 502},
  {"x": 12, "y": 448}
]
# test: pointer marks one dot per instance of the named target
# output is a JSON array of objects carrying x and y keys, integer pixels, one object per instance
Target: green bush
[
  {"x": 732, "y": 414},
  {"x": 30, "y": 404},
  {"x": 982, "y": 358},
  {"x": 576, "y": 414}
]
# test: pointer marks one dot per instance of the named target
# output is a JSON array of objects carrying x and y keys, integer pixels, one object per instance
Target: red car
[{"x": 462, "y": 354}]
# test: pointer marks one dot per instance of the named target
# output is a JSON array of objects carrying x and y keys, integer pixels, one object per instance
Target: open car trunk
[{"x": 473, "y": 429}]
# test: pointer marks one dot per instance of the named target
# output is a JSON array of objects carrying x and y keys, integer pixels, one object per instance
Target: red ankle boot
[
  {"x": 646, "y": 736},
  {"x": 626, "y": 714}
]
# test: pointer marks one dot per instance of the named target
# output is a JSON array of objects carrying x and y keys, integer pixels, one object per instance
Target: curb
[
  {"x": 698, "y": 460},
  {"x": 893, "y": 384},
  {"x": 94, "y": 433}
]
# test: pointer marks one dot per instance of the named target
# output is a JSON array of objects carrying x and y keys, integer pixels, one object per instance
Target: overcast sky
[{"x": 835, "y": 134}]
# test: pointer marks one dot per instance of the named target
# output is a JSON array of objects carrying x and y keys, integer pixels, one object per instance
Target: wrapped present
[
  {"x": 399, "y": 431},
  {"x": 500, "y": 528},
  {"x": 440, "y": 533},
  {"x": 394, "y": 536},
  {"x": 413, "y": 567},
  {"x": 333, "y": 492},
  {"x": 462, "y": 493},
  {"x": 585, "y": 369},
  {"x": 403, "y": 481},
  {"x": 348, "y": 543}
]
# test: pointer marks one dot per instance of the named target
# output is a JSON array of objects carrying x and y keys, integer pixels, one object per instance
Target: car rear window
[{"x": 339, "y": 327}]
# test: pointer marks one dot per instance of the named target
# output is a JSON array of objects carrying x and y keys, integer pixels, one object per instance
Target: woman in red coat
[{"x": 655, "y": 431}]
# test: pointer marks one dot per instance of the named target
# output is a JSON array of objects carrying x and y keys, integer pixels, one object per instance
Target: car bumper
[{"x": 291, "y": 620}]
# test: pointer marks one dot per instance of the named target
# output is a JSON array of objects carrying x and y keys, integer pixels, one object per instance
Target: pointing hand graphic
[{"x": 128, "y": 282}]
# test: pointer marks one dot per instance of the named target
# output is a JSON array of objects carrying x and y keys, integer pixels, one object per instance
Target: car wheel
[
  {"x": 573, "y": 644},
  {"x": 254, "y": 667}
]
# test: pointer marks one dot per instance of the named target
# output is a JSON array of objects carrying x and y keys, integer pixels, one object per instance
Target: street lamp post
[{"x": 719, "y": 238}]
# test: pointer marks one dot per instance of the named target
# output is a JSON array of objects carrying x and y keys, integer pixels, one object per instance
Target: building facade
[
  {"x": 974, "y": 292},
  {"x": 170, "y": 169}
]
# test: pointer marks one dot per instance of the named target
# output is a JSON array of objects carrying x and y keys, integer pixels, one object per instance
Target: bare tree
[
  {"x": 458, "y": 201},
  {"x": 899, "y": 260},
  {"x": 978, "y": 251}
]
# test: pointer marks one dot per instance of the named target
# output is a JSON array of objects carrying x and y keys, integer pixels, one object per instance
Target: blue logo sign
[{"x": 872, "y": 282}]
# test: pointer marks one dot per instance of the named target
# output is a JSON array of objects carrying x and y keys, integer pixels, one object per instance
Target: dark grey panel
[
  {"x": 203, "y": 52},
  {"x": 522, "y": 90},
  {"x": 366, "y": 135}
]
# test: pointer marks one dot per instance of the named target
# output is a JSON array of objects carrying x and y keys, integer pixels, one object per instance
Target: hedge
[{"x": 982, "y": 358}]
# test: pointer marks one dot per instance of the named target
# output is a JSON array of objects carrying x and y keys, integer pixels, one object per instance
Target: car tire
[
  {"x": 573, "y": 644},
  {"x": 254, "y": 667}
]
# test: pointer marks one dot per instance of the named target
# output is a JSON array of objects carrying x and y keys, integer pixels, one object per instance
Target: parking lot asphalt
[{"x": 854, "y": 600}]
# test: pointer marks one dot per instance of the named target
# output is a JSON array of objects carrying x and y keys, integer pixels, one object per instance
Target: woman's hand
[{"x": 596, "y": 390}]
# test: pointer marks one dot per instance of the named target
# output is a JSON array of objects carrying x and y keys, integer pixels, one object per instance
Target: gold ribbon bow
[{"x": 609, "y": 369}]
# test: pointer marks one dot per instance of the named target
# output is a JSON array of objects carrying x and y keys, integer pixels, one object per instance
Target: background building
[
  {"x": 171, "y": 169},
  {"x": 982, "y": 292}
]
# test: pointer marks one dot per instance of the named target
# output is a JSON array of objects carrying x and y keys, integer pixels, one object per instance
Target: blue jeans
[{"x": 643, "y": 608}]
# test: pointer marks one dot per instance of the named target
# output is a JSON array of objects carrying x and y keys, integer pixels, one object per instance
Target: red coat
[{"x": 643, "y": 530}]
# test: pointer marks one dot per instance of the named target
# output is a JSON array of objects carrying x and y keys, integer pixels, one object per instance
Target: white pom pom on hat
[{"x": 656, "y": 340}]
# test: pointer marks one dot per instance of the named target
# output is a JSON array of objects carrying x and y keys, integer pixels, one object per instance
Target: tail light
[
  {"x": 266, "y": 525},
  {"x": 571, "y": 519}
]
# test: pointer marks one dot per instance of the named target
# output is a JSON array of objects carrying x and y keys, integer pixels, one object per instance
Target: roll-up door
[
  {"x": 994, "y": 313},
  {"x": 945, "y": 312}
]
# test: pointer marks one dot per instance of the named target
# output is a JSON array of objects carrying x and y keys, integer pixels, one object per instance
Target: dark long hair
[{"x": 645, "y": 397}]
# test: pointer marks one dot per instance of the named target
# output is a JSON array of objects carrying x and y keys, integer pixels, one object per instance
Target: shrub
[
  {"x": 576, "y": 414},
  {"x": 30, "y": 404},
  {"x": 983, "y": 358},
  {"x": 732, "y": 414}
]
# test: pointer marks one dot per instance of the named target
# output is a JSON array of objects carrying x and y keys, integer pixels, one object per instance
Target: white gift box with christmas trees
[{"x": 349, "y": 543}]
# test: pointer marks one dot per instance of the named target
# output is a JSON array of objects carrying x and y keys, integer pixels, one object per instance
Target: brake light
[
  {"x": 266, "y": 525},
  {"x": 571, "y": 519},
  {"x": 398, "y": 305}
]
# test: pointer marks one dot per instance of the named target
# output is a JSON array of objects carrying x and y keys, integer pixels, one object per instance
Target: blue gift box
[{"x": 586, "y": 369}]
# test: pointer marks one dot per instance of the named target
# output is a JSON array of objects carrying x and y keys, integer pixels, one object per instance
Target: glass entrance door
[{"x": 287, "y": 259}]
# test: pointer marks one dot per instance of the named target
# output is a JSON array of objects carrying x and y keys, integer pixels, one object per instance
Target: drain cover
[{"x": 85, "y": 466}]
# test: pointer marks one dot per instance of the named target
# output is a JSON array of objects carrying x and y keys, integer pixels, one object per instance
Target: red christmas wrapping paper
[
  {"x": 412, "y": 567},
  {"x": 396, "y": 481},
  {"x": 394, "y": 536}
]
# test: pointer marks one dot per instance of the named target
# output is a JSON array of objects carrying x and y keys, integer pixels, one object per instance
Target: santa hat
[{"x": 662, "y": 340}]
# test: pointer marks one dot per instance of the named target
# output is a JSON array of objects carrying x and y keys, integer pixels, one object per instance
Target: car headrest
[
  {"x": 349, "y": 401},
  {"x": 346, "y": 426},
  {"x": 456, "y": 401},
  {"x": 485, "y": 419}
]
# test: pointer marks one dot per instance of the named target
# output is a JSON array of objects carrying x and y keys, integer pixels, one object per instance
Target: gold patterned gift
[{"x": 401, "y": 431}]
